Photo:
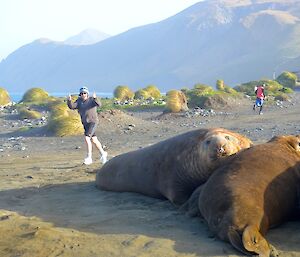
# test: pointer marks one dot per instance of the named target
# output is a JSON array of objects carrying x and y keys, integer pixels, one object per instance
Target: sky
[{"x": 23, "y": 21}]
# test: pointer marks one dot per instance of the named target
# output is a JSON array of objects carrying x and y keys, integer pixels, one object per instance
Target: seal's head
[
  {"x": 220, "y": 143},
  {"x": 293, "y": 142}
]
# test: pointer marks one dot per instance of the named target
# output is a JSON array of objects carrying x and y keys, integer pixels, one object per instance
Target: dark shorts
[{"x": 89, "y": 129}]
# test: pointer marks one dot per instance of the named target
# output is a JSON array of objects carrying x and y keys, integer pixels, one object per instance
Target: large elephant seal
[
  {"x": 171, "y": 168},
  {"x": 251, "y": 192}
]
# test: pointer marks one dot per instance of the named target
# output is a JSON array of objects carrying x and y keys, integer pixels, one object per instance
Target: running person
[
  {"x": 260, "y": 97},
  {"x": 87, "y": 108}
]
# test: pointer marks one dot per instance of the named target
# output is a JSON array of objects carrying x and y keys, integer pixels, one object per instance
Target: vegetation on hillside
[
  {"x": 287, "y": 79},
  {"x": 205, "y": 96},
  {"x": 272, "y": 89},
  {"x": 4, "y": 97}
]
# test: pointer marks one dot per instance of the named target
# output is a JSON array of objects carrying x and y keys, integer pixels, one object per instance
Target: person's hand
[
  {"x": 69, "y": 97},
  {"x": 94, "y": 95}
]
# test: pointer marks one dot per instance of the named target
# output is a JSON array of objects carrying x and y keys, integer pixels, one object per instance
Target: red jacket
[{"x": 260, "y": 92}]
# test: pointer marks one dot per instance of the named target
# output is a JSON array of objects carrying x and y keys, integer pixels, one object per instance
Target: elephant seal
[
  {"x": 251, "y": 192},
  {"x": 172, "y": 168}
]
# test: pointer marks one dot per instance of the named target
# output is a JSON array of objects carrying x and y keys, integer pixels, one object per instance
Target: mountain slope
[
  {"x": 87, "y": 37},
  {"x": 237, "y": 40}
]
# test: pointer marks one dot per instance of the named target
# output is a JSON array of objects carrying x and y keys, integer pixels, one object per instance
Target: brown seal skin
[
  {"x": 172, "y": 168},
  {"x": 251, "y": 192}
]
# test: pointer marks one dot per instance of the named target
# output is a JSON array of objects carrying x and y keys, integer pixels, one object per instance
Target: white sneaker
[
  {"x": 103, "y": 158},
  {"x": 88, "y": 161}
]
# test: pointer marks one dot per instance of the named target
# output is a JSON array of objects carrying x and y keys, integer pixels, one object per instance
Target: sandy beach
[{"x": 49, "y": 205}]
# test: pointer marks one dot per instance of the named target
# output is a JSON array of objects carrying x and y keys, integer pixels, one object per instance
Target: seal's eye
[{"x": 298, "y": 146}]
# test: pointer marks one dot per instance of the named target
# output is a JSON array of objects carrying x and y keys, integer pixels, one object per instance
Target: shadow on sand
[{"x": 83, "y": 207}]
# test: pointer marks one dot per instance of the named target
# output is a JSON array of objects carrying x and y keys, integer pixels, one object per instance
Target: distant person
[
  {"x": 260, "y": 97},
  {"x": 87, "y": 108}
]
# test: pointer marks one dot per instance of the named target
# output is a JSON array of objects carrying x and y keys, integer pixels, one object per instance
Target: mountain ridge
[
  {"x": 236, "y": 41},
  {"x": 87, "y": 37}
]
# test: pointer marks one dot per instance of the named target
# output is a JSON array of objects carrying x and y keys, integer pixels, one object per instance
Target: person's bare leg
[
  {"x": 89, "y": 146},
  {"x": 88, "y": 160},
  {"x": 103, "y": 153},
  {"x": 98, "y": 144}
]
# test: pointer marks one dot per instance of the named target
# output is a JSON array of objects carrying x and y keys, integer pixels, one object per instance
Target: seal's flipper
[
  {"x": 236, "y": 241},
  {"x": 253, "y": 241},
  {"x": 274, "y": 251},
  {"x": 191, "y": 206}
]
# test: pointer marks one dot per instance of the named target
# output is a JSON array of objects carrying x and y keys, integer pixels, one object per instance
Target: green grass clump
[
  {"x": 176, "y": 101},
  {"x": 205, "y": 96},
  {"x": 150, "y": 91},
  {"x": 25, "y": 113},
  {"x": 280, "y": 96},
  {"x": 153, "y": 91},
  {"x": 59, "y": 108},
  {"x": 199, "y": 94},
  {"x": 141, "y": 94},
  {"x": 65, "y": 126},
  {"x": 63, "y": 121},
  {"x": 4, "y": 97},
  {"x": 123, "y": 93},
  {"x": 202, "y": 89},
  {"x": 35, "y": 95},
  {"x": 108, "y": 104},
  {"x": 287, "y": 79}
]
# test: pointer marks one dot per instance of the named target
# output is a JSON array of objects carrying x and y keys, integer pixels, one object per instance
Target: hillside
[
  {"x": 237, "y": 41},
  {"x": 87, "y": 37}
]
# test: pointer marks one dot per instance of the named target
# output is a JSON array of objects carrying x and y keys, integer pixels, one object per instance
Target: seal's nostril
[{"x": 221, "y": 150}]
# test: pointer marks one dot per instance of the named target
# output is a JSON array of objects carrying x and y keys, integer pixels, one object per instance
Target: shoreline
[{"x": 17, "y": 97}]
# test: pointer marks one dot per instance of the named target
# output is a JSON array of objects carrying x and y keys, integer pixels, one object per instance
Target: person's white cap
[{"x": 83, "y": 90}]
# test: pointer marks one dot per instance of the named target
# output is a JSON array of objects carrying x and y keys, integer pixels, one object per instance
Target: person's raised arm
[
  {"x": 71, "y": 105},
  {"x": 96, "y": 99}
]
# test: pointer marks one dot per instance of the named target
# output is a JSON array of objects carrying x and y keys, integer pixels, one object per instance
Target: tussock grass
[
  {"x": 150, "y": 91},
  {"x": 59, "y": 108},
  {"x": 65, "y": 126},
  {"x": 35, "y": 95},
  {"x": 153, "y": 91},
  {"x": 63, "y": 121},
  {"x": 4, "y": 97},
  {"x": 25, "y": 113},
  {"x": 141, "y": 94},
  {"x": 123, "y": 93},
  {"x": 176, "y": 101}
]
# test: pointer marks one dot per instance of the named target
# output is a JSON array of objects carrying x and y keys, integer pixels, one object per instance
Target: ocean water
[{"x": 17, "y": 97}]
